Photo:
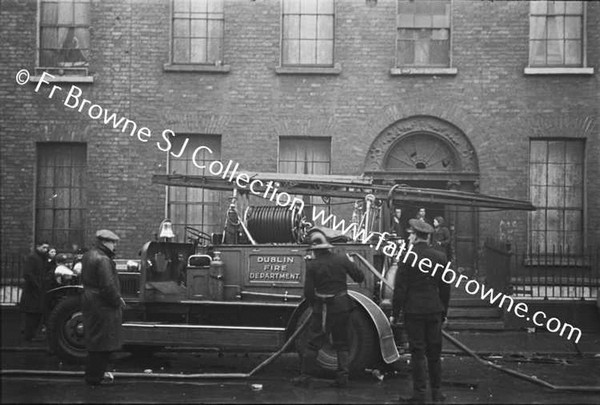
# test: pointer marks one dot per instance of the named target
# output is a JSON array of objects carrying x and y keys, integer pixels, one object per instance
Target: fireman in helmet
[{"x": 326, "y": 290}]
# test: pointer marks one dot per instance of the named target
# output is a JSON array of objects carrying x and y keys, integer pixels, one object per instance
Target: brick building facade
[{"x": 479, "y": 110}]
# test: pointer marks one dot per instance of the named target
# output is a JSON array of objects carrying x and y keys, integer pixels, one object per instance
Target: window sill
[
  {"x": 432, "y": 71},
  {"x": 63, "y": 79},
  {"x": 559, "y": 71},
  {"x": 309, "y": 70},
  {"x": 171, "y": 67}
]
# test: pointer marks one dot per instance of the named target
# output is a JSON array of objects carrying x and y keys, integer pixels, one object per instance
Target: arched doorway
[{"x": 426, "y": 151}]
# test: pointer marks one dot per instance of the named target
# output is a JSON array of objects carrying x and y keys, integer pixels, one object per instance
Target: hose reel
[{"x": 274, "y": 224}]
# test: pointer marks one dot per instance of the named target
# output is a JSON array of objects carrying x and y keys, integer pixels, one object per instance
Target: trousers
[{"x": 425, "y": 342}]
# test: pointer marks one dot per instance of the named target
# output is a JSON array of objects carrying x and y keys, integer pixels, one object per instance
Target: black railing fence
[
  {"x": 11, "y": 276},
  {"x": 554, "y": 272}
]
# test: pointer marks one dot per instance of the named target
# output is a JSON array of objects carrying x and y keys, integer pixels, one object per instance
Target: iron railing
[{"x": 554, "y": 273}]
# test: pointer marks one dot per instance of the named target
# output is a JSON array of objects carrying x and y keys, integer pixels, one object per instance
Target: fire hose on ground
[{"x": 275, "y": 355}]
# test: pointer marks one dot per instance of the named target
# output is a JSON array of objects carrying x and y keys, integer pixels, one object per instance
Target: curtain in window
[{"x": 64, "y": 33}]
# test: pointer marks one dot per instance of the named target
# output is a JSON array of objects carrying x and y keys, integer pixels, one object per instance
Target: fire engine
[{"x": 242, "y": 289}]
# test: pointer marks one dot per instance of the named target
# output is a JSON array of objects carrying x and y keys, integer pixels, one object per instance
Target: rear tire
[
  {"x": 65, "y": 330},
  {"x": 364, "y": 344}
]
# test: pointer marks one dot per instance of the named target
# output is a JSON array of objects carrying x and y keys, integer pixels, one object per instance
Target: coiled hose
[{"x": 273, "y": 224}]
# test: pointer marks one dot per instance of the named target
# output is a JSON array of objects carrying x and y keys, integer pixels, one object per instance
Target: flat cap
[
  {"x": 420, "y": 226},
  {"x": 105, "y": 234}
]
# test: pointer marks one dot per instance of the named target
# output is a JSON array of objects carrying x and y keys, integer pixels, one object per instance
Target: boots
[
  {"x": 343, "y": 370},
  {"x": 419, "y": 377},
  {"x": 307, "y": 367}
]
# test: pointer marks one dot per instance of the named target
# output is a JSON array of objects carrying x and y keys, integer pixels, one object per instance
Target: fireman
[
  {"x": 326, "y": 290},
  {"x": 424, "y": 301}
]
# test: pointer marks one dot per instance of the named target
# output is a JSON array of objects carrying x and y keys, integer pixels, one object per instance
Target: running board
[{"x": 206, "y": 336}]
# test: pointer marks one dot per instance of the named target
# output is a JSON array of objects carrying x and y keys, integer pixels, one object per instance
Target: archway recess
[{"x": 426, "y": 151}]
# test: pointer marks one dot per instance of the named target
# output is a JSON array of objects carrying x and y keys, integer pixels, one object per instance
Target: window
[
  {"x": 189, "y": 206},
  {"x": 64, "y": 33},
  {"x": 60, "y": 194},
  {"x": 556, "y": 34},
  {"x": 198, "y": 31},
  {"x": 308, "y": 33},
  {"x": 556, "y": 189},
  {"x": 423, "y": 38},
  {"x": 305, "y": 155}
]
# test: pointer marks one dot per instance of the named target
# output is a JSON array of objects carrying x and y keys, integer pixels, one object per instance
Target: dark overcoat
[
  {"x": 101, "y": 301},
  {"x": 34, "y": 273}
]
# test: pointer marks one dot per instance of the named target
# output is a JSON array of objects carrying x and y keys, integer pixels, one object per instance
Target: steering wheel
[{"x": 198, "y": 234}]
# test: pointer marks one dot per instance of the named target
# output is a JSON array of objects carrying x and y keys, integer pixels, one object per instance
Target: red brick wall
[{"x": 490, "y": 99}]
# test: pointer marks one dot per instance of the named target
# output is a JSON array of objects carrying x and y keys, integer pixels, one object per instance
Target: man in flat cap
[
  {"x": 423, "y": 299},
  {"x": 102, "y": 306},
  {"x": 326, "y": 291}
]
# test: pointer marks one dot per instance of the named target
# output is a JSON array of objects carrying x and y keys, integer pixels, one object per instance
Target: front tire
[{"x": 65, "y": 330}]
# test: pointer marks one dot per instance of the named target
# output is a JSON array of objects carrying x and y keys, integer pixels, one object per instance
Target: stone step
[
  {"x": 475, "y": 312},
  {"x": 469, "y": 302},
  {"x": 473, "y": 325}
]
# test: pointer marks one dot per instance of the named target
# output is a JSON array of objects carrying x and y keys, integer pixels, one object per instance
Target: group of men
[{"x": 421, "y": 300}]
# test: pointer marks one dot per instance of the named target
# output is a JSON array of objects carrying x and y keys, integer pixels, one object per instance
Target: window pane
[
  {"x": 556, "y": 174},
  {"x": 215, "y": 6},
  {"x": 422, "y": 50},
  {"x": 554, "y": 220},
  {"x": 538, "y": 150},
  {"x": 538, "y": 7},
  {"x": 325, "y": 52},
  {"x": 325, "y": 7},
  {"x": 574, "y": 197},
  {"x": 291, "y": 26},
  {"x": 308, "y": 27},
  {"x": 556, "y": 27},
  {"x": 572, "y": 27},
  {"x": 181, "y": 50},
  {"x": 49, "y": 38},
  {"x": 574, "y": 151},
  {"x": 556, "y": 151},
  {"x": 573, "y": 53},
  {"x": 181, "y": 6},
  {"x": 308, "y": 6},
  {"x": 537, "y": 173},
  {"x": 198, "y": 51},
  {"x": 556, "y": 7},
  {"x": 556, "y": 197},
  {"x": 538, "y": 220},
  {"x": 406, "y": 20},
  {"x": 215, "y": 50},
  {"x": 65, "y": 13},
  {"x": 573, "y": 221},
  {"x": 325, "y": 27},
  {"x": 181, "y": 27},
  {"x": 573, "y": 175},
  {"x": 574, "y": 7},
  {"x": 440, "y": 53},
  {"x": 423, "y": 20},
  {"x": 215, "y": 29},
  {"x": 199, "y": 29},
  {"x": 49, "y": 13},
  {"x": 308, "y": 52},
  {"x": 538, "y": 196},
  {"x": 537, "y": 28},
  {"x": 291, "y": 7},
  {"x": 406, "y": 51},
  {"x": 407, "y": 7},
  {"x": 291, "y": 52},
  {"x": 82, "y": 13},
  {"x": 200, "y": 6},
  {"x": 537, "y": 53}
]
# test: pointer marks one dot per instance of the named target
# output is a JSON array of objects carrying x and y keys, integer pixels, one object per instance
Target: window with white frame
[
  {"x": 189, "y": 206},
  {"x": 60, "y": 207},
  {"x": 64, "y": 33},
  {"x": 423, "y": 33},
  {"x": 556, "y": 188},
  {"x": 198, "y": 32},
  {"x": 308, "y": 33},
  {"x": 556, "y": 34}
]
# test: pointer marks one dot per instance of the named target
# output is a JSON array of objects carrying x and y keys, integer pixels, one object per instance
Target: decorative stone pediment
[{"x": 421, "y": 144}]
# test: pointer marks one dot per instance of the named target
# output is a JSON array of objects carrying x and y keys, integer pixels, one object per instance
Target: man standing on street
[
  {"x": 326, "y": 291},
  {"x": 424, "y": 301},
  {"x": 32, "y": 298},
  {"x": 102, "y": 307}
]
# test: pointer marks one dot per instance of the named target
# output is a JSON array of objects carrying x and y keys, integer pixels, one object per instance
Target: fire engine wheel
[
  {"x": 364, "y": 345},
  {"x": 65, "y": 330}
]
